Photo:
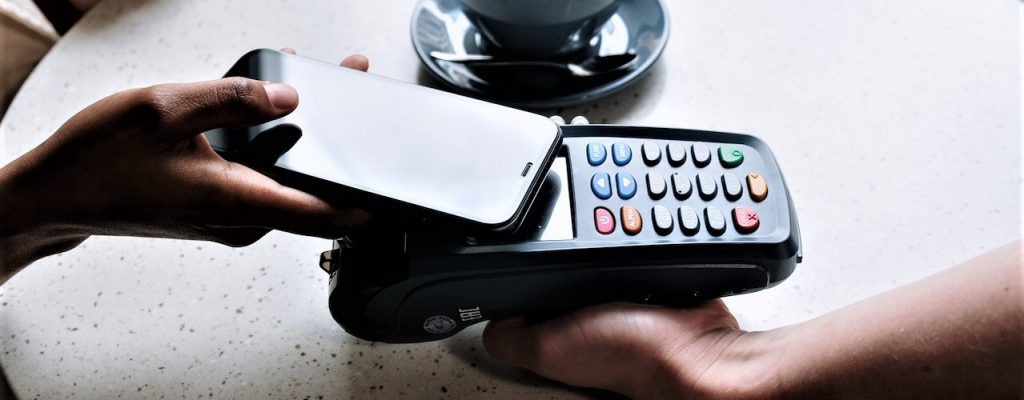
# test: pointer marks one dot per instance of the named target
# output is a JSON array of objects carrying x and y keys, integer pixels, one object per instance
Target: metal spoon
[{"x": 588, "y": 68}]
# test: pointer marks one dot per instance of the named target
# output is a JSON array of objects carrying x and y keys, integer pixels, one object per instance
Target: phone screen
[
  {"x": 448, "y": 153},
  {"x": 556, "y": 222}
]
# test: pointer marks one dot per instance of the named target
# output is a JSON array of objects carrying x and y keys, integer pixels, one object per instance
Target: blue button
[
  {"x": 621, "y": 154},
  {"x": 626, "y": 185},
  {"x": 596, "y": 154},
  {"x": 602, "y": 186}
]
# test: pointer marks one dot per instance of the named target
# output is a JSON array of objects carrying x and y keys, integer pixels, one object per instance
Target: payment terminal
[{"x": 636, "y": 214}]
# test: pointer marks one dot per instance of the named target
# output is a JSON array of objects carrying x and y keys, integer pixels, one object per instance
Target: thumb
[{"x": 187, "y": 109}]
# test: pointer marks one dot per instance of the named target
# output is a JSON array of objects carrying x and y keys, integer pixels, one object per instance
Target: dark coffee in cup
[{"x": 539, "y": 28}]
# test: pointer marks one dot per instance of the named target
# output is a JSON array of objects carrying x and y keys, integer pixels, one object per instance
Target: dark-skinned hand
[{"x": 136, "y": 164}]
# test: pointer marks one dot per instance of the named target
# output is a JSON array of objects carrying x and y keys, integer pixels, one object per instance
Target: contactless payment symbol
[{"x": 438, "y": 324}]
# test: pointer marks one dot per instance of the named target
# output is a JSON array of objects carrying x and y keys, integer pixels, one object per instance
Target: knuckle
[
  {"x": 151, "y": 107},
  {"x": 241, "y": 92}
]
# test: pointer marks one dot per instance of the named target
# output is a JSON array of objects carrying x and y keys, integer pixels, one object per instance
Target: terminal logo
[
  {"x": 469, "y": 314},
  {"x": 438, "y": 324}
]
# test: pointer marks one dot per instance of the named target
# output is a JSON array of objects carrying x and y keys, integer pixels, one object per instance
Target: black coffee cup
[{"x": 539, "y": 28}]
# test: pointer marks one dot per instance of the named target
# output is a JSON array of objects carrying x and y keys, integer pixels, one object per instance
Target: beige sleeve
[{"x": 25, "y": 36}]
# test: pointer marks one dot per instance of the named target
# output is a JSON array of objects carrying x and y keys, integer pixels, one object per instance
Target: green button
[{"x": 731, "y": 157}]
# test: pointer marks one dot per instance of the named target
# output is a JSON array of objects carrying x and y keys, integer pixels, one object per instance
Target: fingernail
[{"x": 281, "y": 96}]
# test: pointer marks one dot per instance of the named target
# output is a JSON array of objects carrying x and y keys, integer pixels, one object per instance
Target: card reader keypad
[{"x": 674, "y": 188}]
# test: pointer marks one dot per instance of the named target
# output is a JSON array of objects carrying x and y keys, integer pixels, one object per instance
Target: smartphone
[{"x": 395, "y": 147}]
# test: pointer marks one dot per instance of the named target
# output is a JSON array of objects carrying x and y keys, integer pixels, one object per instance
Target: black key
[
  {"x": 689, "y": 221},
  {"x": 656, "y": 186},
  {"x": 676, "y": 154},
  {"x": 681, "y": 186},
  {"x": 662, "y": 218},
  {"x": 707, "y": 186},
  {"x": 732, "y": 187},
  {"x": 715, "y": 220},
  {"x": 701, "y": 154},
  {"x": 651, "y": 153}
]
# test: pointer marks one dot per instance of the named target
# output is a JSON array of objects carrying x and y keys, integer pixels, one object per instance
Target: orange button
[
  {"x": 758, "y": 187},
  {"x": 745, "y": 219},
  {"x": 631, "y": 222}
]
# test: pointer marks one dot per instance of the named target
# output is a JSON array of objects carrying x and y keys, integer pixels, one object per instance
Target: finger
[
  {"x": 257, "y": 200},
  {"x": 356, "y": 61},
  {"x": 537, "y": 347},
  {"x": 186, "y": 109},
  {"x": 612, "y": 346},
  {"x": 541, "y": 347},
  {"x": 505, "y": 339}
]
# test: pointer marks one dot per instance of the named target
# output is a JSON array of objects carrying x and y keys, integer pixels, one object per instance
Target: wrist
[
  {"x": 29, "y": 227},
  {"x": 731, "y": 364}
]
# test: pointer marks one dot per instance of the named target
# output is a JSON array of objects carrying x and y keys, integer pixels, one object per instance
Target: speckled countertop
[{"x": 897, "y": 124}]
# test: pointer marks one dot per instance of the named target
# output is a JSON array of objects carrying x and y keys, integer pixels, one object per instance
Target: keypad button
[
  {"x": 681, "y": 186},
  {"x": 689, "y": 221},
  {"x": 601, "y": 185},
  {"x": 730, "y": 156},
  {"x": 745, "y": 219},
  {"x": 596, "y": 154},
  {"x": 757, "y": 186},
  {"x": 732, "y": 187},
  {"x": 621, "y": 154},
  {"x": 662, "y": 218},
  {"x": 701, "y": 154},
  {"x": 651, "y": 153},
  {"x": 676, "y": 154},
  {"x": 707, "y": 186},
  {"x": 626, "y": 185},
  {"x": 656, "y": 186},
  {"x": 715, "y": 220},
  {"x": 631, "y": 220},
  {"x": 604, "y": 221}
]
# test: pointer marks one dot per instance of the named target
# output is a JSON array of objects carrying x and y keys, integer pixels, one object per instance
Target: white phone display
[{"x": 474, "y": 160}]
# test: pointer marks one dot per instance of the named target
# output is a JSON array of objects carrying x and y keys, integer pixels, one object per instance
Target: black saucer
[{"x": 638, "y": 26}]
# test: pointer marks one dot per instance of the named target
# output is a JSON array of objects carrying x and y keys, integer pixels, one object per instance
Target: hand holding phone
[{"x": 394, "y": 148}]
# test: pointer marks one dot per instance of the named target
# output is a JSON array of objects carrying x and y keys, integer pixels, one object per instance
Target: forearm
[
  {"x": 18, "y": 251},
  {"x": 29, "y": 225},
  {"x": 958, "y": 334}
]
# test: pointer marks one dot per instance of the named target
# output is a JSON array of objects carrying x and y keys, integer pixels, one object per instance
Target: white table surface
[{"x": 896, "y": 122}]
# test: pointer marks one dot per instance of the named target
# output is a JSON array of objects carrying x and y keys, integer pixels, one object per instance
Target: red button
[
  {"x": 604, "y": 221},
  {"x": 745, "y": 219}
]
